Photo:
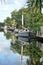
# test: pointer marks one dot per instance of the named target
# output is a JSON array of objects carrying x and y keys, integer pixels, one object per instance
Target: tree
[
  {"x": 35, "y": 3},
  {"x": 9, "y": 22},
  {"x": 1, "y": 24},
  {"x": 17, "y": 15},
  {"x": 35, "y": 20}
]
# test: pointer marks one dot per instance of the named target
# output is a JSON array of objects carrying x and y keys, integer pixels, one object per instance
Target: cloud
[{"x": 9, "y": 5}]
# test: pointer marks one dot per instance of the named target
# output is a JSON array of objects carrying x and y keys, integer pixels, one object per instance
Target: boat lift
[{"x": 27, "y": 36}]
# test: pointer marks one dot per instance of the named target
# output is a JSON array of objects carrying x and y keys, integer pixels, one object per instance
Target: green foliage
[
  {"x": 17, "y": 15},
  {"x": 35, "y": 3},
  {"x": 16, "y": 46},
  {"x": 9, "y": 22},
  {"x": 8, "y": 35},
  {"x": 1, "y": 24},
  {"x": 35, "y": 20}
]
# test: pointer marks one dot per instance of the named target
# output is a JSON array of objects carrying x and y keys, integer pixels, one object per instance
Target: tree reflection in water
[
  {"x": 20, "y": 49},
  {"x": 15, "y": 45},
  {"x": 28, "y": 49}
]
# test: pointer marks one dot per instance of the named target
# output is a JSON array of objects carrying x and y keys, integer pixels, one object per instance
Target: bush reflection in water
[
  {"x": 15, "y": 44},
  {"x": 27, "y": 49}
]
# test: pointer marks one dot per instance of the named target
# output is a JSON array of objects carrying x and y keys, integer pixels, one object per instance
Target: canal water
[{"x": 7, "y": 56}]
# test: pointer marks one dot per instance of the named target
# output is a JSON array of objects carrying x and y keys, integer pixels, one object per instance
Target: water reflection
[{"x": 7, "y": 56}]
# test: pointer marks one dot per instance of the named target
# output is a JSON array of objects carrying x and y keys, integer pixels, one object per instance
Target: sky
[{"x": 8, "y": 6}]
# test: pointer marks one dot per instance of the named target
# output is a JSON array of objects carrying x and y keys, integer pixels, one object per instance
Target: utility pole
[
  {"x": 22, "y": 20},
  {"x": 23, "y": 16}
]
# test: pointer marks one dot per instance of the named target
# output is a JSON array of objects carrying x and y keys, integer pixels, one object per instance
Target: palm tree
[{"x": 35, "y": 3}]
